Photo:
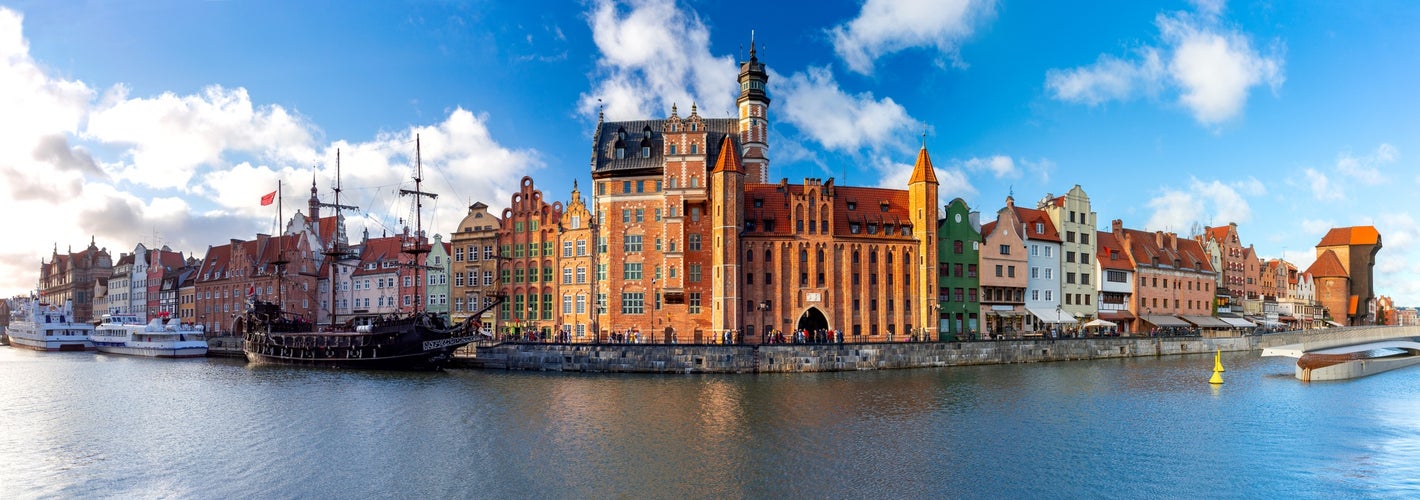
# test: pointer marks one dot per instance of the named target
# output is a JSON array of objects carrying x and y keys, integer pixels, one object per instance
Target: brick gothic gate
[{"x": 811, "y": 320}]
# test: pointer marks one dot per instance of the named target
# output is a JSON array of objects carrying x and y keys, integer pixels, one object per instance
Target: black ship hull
[{"x": 416, "y": 342}]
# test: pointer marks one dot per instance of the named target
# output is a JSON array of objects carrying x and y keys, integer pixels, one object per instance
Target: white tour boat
[
  {"x": 45, "y": 327},
  {"x": 126, "y": 334}
]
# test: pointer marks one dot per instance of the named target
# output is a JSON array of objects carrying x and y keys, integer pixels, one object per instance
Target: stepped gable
[
  {"x": 604, "y": 157},
  {"x": 1327, "y": 265}
]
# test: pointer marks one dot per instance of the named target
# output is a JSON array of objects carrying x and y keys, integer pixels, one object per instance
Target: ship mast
[
  {"x": 418, "y": 247},
  {"x": 280, "y": 261},
  {"x": 335, "y": 251}
]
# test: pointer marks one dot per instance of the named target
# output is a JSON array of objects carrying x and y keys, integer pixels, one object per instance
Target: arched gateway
[{"x": 812, "y": 320}]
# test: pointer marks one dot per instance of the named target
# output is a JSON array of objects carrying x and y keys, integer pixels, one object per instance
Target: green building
[{"x": 958, "y": 254}]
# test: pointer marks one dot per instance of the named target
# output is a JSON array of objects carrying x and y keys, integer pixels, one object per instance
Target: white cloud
[
  {"x": 887, "y": 26},
  {"x": 1108, "y": 79},
  {"x": 654, "y": 55},
  {"x": 1321, "y": 186},
  {"x": 1366, "y": 169},
  {"x": 173, "y": 136},
  {"x": 815, "y": 105},
  {"x": 185, "y": 146},
  {"x": 1211, "y": 203},
  {"x": 1216, "y": 70},
  {"x": 999, "y": 166},
  {"x": 1213, "y": 68}
]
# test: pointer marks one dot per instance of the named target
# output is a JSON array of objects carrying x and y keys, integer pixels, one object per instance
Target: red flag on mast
[{"x": 268, "y": 199}]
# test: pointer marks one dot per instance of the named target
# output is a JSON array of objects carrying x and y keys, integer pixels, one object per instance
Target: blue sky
[{"x": 165, "y": 121}]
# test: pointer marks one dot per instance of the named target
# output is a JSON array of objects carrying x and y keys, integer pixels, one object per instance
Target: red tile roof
[
  {"x": 1110, "y": 252},
  {"x": 1355, "y": 235},
  {"x": 1218, "y": 234},
  {"x": 923, "y": 171},
  {"x": 886, "y": 207},
  {"x": 1030, "y": 217},
  {"x": 729, "y": 158},
  {"x": 1145, "y": 248},
  {"x": 1327, "y": 265}
]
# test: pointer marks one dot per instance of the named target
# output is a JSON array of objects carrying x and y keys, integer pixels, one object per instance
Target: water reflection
[{"x": 84, "y": 425}]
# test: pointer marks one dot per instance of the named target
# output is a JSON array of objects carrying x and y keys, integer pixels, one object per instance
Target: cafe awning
[
  {"x": 1237, "y": 322},
  {"x": 1051, "y": 315},
  {"x": 1206, "y": 322},
  {"x": 1163, "y": 320},
  {"x": 1116, "y": 315},
  {"x": 1333, "y": 323}
]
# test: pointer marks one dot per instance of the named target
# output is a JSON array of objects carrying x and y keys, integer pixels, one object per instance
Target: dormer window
[
  {"x": 645, "y": 151},
  {"x": 1040, "y": 226},
  {"x": 884, "y": 206},
  {"x": 852, "y": 205},
  {"x": 758, "y": 203}
]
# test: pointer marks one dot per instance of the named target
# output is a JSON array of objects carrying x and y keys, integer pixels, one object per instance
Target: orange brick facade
[{"x": 688, "y": 243}]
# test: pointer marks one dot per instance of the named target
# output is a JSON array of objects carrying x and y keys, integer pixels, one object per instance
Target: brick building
[
  {"x": 71, "y": 276},
  {"x": 1174, "y": 280},
  {"x": 1346, "y": 293},
  {"x": 695, "y": 245},
  {"x": 527, "y": 240}
]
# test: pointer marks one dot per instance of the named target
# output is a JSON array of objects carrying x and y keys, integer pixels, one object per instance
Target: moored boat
[
  {"x": 126, "y": 334},
  {"x": 414, "y": 340},
  {"x": 46, "y": 327}
]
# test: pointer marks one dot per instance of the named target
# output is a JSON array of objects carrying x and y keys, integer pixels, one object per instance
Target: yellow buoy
[
  {"x": 1218, "y": 361},
  {"x": 1217, "y": 378}
]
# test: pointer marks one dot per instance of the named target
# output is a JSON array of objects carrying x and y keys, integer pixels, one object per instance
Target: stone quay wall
[{"x": 799, "y": 358}]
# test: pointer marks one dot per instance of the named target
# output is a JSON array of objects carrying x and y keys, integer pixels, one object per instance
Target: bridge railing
[{"x": 1352, "y": 335}]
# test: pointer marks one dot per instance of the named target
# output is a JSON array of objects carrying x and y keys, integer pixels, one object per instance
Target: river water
[{"x": 87, "y": 425}]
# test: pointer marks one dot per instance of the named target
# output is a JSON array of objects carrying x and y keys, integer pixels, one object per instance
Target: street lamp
[{"x": 1058, "y": 312}]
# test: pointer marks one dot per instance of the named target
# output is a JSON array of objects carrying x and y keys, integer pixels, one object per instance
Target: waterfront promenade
[{"x": 797, "y": 358}]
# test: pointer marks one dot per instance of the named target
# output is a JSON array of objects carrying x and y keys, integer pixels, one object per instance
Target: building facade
[
  {"x": 1354, "y": 249},
  {"x": 1079, "y": 281},
  {"x": 1003, "y": 274},
  {"x": 475, "y": 266},
  {"x": 1116, "y": 282},
  {"x": 71, "y": 276},
  {"x": 527, "y": 241},
  {"x": 1174, "y": 279},
  {"x": 959, "y": 280},
  {"x": 696, "y": 246}
]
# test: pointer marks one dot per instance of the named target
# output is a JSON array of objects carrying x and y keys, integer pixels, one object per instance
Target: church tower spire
[
  {"x": 923, "y": 208},
  {"x": 754, "y": 125}
]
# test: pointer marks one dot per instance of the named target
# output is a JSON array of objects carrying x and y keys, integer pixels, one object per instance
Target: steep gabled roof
[
  {"x": 923, "y": 171},
  {"x": 729, "y": 159},
  {"x": 1355, "y": 235},
  {"x": 1030, "y": 217},
  {"x": 604, "y": 157},
  {"x": 1109, "y": 252},
  {"x": 1327, "y": 265}
]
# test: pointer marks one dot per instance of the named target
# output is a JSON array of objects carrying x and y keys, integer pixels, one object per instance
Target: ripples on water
[{"x": 84, "y": 425}]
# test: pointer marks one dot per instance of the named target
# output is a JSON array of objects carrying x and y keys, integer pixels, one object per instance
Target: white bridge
[{"x": 1345, "y": 353}]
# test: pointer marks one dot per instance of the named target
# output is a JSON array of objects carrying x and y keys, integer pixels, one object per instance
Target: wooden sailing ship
[{"x": 416, "y": 340}]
